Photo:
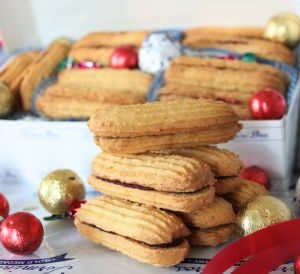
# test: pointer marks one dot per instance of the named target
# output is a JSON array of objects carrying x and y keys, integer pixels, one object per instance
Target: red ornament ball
[
  {"x": 256, "y": 174},
  {"x": 124, "y": 57},
  {"x": 297, "y": 265},
  {"x": 267, "y": 104},
  {"x": 75, "y": 206},
  {"x": 228, "y": 57},
  {"x": 4, "y": 206},
  {"x": 87, "y": 65},
  {"x": 21, "y": 233}
]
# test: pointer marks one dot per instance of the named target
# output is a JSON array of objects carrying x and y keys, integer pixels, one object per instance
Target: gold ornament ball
[
  {"x": 59, "y": 189},
  {"x": 284, "y": 27},
  {"x": 6, "y": 99},
  {"x": 261, "y": 212}
]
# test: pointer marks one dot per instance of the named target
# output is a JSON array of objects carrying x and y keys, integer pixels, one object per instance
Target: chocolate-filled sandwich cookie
[
  {"x": 164, "y": 181},
  {"x": 145, "y": 233},
  {"x": 163, "y": 125}
]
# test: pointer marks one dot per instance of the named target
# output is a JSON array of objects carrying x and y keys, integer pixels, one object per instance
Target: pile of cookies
[
  {"x": 160, "y": 176},
  {"x": 23, "y": 75},
  {"x": 231, "y": 81}
]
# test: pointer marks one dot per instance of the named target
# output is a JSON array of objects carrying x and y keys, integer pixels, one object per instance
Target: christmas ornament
[
  {"x": 74, "y": 207},
  {"x": 59, "y": 189},
  {"x": 249, "y": 57},
  {"x": 284, "y": 27},
  {"x": 6, "y": 100},
  {"x": 228, "y": 57},
  {"x": 157, "y": 52},
  {"x": 4, "y": 206},
  {"x": 124, "y": 57},
  {"x": 256, "y": 174},
  {"x": 261, "y": 212},
  {"x": 297, "y": 265},
  {"x": 21, "y": 233},
  {"x": 86, "y": 65},
  {"x": 267, "y": 104}
]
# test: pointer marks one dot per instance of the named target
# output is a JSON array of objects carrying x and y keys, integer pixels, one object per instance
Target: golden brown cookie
[
  {"x": 106, "y": 79},
  {"x": 61, "y": 101},
  {"x": 42, "y": 67},
  {"x": 13, "y": 72},
  {"x": 241, "y": 44},
  {"x": 127, "y": 129},
  {"x": 6, "y": 100},
  {"x": 246, "y": 32},
  {"x": 245, "y": 192},
  {"x": 222, "y": 74},
  {"x": 222, "y": 162},
  {"x": 169, "y": 173},
  {"x": 112, "y": 39},
  {"x": 226, "y": 185},
  {"x": 211, "y": 236},
  {"x": 217, "y": 213},
  {"x": 144, "y": 233},
  {"x": 176, "y": 201},
  {"x": 98, "y": 55}
]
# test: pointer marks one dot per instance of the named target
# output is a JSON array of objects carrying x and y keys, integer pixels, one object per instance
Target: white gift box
[{"x": 31, "y": 149}]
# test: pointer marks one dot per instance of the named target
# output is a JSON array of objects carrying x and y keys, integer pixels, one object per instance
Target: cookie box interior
[{"x": 31, "y": 149}]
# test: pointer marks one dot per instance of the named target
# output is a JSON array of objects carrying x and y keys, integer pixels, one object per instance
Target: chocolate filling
[
  {"x": 174, "y": 243},
  {"x": 145, "y": 188}
]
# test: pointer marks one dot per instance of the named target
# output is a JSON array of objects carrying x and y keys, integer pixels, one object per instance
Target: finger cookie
[
  {"x": 164, "y": 181},
  {"x": 225, "y": 185},
  {"x": 210, "y": 225},
  {"x": 42, "y": 67},
  {"x": 245, "y": 192},
  {"x": 107, "y": 79},
  {"x": 13, "y": 72},
  {"x": 61, "y": 101},
  {"x": 240, "y": 41},
  {"x": 144, "y": 233},
  {"x": 222, "y": 74},
  {"x": 162, "y": 125},
  {"x": 112, "y": 39},
  {"x": 222, "y": 162},
  {"x": 6, "y": 100},
  {"x": 97, "y": 55}
]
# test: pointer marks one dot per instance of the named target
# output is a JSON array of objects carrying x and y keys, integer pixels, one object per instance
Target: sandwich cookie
[
  {"x": 210, "y": 225},
  {"x": 163, "y": 125},
  {"x": 165, "y": 181},
  {"x": 145, "y": 233}
]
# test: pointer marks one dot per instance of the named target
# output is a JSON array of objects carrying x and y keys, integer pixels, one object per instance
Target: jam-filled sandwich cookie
[
  {"x": 163, "y": 125},
  {"x": 147, "y": 234},
  {"x": 165, "y": 181},
  {"x": 210, "y": 225}
]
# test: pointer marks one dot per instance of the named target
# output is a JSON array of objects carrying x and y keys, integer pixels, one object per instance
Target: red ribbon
[{"x": 267, "y": 248}]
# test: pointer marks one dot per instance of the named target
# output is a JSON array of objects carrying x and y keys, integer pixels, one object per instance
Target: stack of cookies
[
  {"x": 92, "y": 80},
  {"x": 231, "y": 81},
  {"x": 159, "y": 177},
  {"x": 23, "y": 75}
]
